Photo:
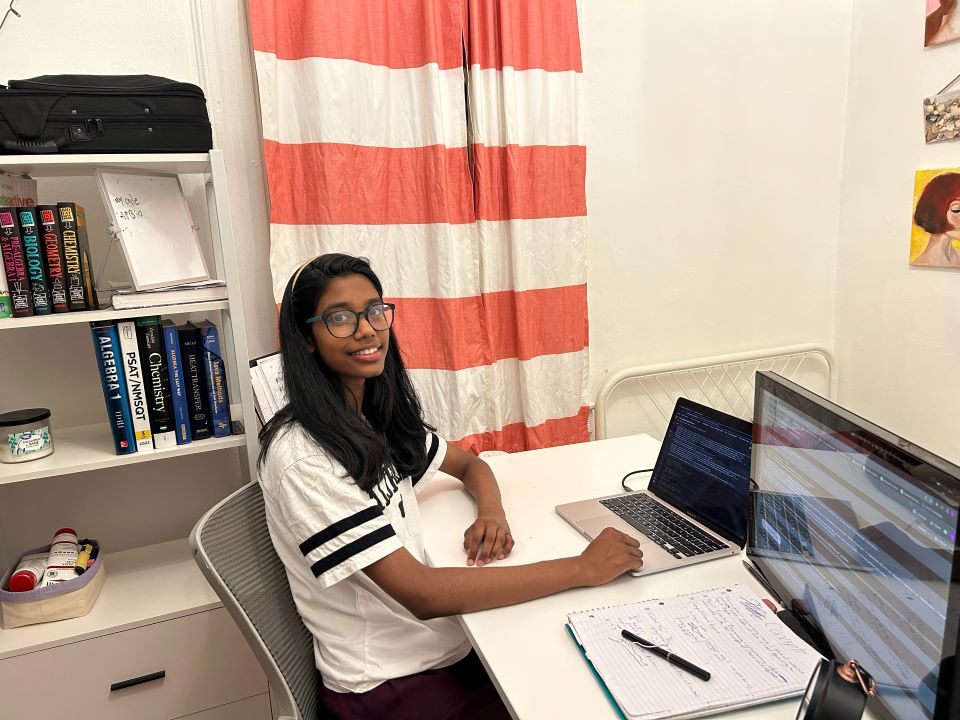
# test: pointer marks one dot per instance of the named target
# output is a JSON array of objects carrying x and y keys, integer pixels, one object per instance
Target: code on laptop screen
[{"x": 704, "y": 468}]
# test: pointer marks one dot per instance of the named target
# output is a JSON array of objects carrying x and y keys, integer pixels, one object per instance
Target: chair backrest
[
  {"x": 232, "y": 546},
  {"x": 641, "y": 399}
]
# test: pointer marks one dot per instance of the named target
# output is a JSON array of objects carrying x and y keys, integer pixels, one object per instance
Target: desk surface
[{"x": 535, "y": 665}]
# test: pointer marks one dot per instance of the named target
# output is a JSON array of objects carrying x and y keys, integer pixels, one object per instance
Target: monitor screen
[{"x": 855, "y": 529}]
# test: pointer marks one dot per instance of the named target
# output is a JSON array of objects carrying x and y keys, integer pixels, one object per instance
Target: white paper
[{"x": 266, "y": 376}]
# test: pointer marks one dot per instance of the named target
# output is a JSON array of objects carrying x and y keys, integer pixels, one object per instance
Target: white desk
[{"x": 536, "y": 667}]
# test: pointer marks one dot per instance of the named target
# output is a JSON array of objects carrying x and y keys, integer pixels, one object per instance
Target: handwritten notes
[
  {"x": 151, "y": 218},
  {"x": 752, "y": 656}
]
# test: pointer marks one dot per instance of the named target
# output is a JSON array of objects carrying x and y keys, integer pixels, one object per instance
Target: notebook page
[{"x": 751, "y": 655}]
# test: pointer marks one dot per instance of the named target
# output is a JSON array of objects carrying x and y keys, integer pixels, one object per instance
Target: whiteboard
[{"x": 154, "y": 227}]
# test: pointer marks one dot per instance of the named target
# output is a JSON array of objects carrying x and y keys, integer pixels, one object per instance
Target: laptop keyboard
[
  {"x": 785, "y": 514},
  {"x": 666, "y": 528}
]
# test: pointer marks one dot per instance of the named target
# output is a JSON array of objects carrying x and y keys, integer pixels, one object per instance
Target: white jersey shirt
[{"x": 326, "y": 530}]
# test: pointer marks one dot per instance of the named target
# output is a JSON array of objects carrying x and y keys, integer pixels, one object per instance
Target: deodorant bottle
[
  {"x": 62, "y": 558},
  {"x": 28, "y": 573}
]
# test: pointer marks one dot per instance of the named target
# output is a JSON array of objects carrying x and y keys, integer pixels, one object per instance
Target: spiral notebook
[{"x": 752, "y": 656}]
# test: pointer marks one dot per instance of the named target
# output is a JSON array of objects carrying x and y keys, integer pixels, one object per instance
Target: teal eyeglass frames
[{"x": 343, "y": 323}]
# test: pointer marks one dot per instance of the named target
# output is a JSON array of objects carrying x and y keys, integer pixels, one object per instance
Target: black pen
[{"x": 667, "y": 655}]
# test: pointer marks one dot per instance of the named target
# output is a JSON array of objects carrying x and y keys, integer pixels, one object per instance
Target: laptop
[
  {"x": 820, "y": 530},
  {"x": 695, "y": 506}
]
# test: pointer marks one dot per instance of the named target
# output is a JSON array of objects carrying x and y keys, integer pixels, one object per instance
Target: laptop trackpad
[{"x": 594, "y": 526}]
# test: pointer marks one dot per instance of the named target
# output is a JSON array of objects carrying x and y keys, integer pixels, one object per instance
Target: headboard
[{"x": 641, "y": 399}]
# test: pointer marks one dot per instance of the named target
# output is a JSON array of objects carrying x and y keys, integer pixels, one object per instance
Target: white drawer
[
  {"x": 205, "y": 660},
  {"x": 255, "y": 708}
]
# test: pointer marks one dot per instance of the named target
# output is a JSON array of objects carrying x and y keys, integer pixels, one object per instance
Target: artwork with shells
[{"x": 941, "y": 117}]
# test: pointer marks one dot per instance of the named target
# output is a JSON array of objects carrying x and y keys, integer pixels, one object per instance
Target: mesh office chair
[{"x": 232, "y": 546}]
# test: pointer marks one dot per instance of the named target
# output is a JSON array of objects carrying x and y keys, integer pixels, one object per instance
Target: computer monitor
[{"x": 855, "y": 529}]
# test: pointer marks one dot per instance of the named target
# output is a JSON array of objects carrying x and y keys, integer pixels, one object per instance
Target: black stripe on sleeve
[
  {"x": 431, "y": 454},
  {"x": 351, "y": 549},
  {"x": 340, "y": 526}
]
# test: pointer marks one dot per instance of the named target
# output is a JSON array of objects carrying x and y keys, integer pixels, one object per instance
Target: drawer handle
[{"x": 137, "y": 680}]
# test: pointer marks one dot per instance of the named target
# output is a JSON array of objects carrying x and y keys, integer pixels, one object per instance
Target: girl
[{"x": 338, "y": 466}]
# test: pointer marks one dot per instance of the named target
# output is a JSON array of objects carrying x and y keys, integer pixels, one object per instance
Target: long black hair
[{"x": 391, "y": 429}]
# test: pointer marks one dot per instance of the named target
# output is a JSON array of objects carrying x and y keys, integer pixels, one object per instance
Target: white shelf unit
[
  {"x": 83, "y": 447},
  {"x": 90, "y": 447},
  {"x": 109, "y": 314},
  {"x": 153, "y": 583},
  {"x": 144, "y": 585}
]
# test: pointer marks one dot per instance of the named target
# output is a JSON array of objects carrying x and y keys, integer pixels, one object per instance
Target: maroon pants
[{"x": 462, "y": 691}]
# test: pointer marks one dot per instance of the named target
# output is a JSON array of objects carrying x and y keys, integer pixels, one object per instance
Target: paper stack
[
  {"x": 202, "y": 291},
  {"x": 266, "y": 377}
]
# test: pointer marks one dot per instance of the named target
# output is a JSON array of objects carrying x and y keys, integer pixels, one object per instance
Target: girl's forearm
[
  {"x": 482, "y": 485},
  {"x": 454, "y": 591}
]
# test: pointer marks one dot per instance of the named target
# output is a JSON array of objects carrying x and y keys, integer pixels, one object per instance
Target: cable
[
  {"x": 7, "y": 13},
  {"x": 623, "y": 482}
]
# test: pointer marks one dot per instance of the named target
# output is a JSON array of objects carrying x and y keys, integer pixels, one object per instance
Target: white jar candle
[{"x": 25, "y": 435}]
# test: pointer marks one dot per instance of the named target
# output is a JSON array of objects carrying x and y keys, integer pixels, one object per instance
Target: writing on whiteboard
[
  {"x": 129, "y": 203},
  {"x": 150, "y": 216}
]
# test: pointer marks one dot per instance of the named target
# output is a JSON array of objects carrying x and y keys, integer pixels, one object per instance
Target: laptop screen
[{"x": 704, "y": 467}]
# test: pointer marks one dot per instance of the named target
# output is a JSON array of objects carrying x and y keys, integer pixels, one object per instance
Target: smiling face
[{"x": 361, "y": 355}]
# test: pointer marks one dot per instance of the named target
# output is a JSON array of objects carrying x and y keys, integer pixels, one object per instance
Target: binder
[{"x": 596, "y": 675}]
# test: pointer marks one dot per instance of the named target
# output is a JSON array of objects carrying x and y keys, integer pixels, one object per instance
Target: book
[
  {"x": 178, "y": 391},
  {"x": 216, "y": 376},
  {"x": 14, "y": 263},
  {"x": 56, "y": 260},
  {"x": 17, "y": 190},
  {"x": 71, "y": 253},
  {"x": 198, "y": 403},
  {"x": 153, "y": 358},
  {"x": 136, "y": 388},
  {"x": 36, "y": 261},
  {"x": 203, "y": 291},
  {"x": 106, "y": 343},
  {"x": 5, "y": 309},
  {"x": 751, "y": 655},
  {"x": 86, "y": 264}
]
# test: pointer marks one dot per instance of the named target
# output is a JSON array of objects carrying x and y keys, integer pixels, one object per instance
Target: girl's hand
[
  {"x": 608, "y": 556},
  {"x": 488, "y": 538}
]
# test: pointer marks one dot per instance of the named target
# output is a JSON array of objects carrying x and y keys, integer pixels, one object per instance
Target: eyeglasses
[{"x": 343, "y": 323}]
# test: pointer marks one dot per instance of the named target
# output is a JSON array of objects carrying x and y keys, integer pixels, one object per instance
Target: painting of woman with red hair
[{"x": 935, "y": 240}]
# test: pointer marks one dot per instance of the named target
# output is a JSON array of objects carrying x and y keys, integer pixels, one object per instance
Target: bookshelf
[
  {"x": 152, "y": 582},
  {"x": 84, "y": 442}
]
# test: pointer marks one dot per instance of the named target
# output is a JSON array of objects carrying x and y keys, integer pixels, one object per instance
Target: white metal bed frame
[{"x": 724, "y": 382}]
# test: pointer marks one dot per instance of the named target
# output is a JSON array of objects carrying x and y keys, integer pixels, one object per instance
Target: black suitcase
[{"x": 102, "y": 114}]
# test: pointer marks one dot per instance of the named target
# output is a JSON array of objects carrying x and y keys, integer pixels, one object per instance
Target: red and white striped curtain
[{"x": 442, "y": 140}]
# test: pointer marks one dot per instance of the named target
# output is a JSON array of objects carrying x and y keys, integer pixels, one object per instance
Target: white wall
[
  {"x": 898, "y": 329},
  {"x": 714, "y": 147}
]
